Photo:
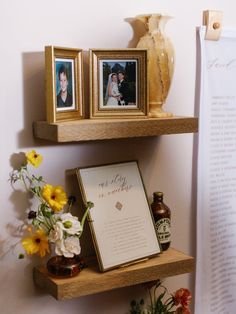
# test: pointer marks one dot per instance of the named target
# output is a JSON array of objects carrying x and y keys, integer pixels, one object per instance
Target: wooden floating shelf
[
  {"x": 90, "y": 130},
  {"x": 91, "y": 281}
]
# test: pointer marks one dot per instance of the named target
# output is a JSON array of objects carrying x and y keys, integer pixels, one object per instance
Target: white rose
[
  {"x": 68, "y": 247},
  {"x": 60, "y": 247},
  {"x": 56, "y": 233},
  {"x": 70, "y": 224}
]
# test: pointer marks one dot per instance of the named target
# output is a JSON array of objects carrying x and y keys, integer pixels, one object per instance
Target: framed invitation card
[{"x": 121, "y": 221}]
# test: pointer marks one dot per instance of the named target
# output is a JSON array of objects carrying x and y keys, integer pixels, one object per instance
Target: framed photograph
[
  {"x": 64, "y": 93},
  {"x": 121, "y": 221},
  {"x": 118, "y": 83}
]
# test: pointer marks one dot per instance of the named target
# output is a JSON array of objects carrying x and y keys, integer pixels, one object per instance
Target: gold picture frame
[
  {"x": 118, "y": 83},
  {"x": 121, "y": 221},
  {"x": 64, "y": 90}
]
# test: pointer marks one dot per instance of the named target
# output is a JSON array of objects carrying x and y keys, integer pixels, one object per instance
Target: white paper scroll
[{"x": 216, "y": 199}]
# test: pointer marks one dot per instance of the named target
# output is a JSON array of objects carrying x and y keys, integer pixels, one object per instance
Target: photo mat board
[
  {"x": 118, "y": 83},
  {"x": 64, "y": 86},
  {"x": 121, "y": 221}
]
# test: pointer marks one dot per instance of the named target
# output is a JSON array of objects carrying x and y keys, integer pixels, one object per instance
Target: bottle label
[{"x": 163, "y": 230}]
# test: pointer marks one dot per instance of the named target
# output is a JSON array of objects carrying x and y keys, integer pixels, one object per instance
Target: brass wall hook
[{"x": 213, "y": 22}]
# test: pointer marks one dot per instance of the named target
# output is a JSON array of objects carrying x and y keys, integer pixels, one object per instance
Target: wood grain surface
[
  {"x": 91, "y": 281},
  {"x": 90, "y": 130}
]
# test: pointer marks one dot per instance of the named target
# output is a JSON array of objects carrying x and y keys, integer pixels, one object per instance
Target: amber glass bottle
[{"x": 161, "y": 214}]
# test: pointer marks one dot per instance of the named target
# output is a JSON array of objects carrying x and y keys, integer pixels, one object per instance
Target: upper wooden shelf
[
  {"x": 90, "y": 130},
  {"x": 91, "y": 281}
]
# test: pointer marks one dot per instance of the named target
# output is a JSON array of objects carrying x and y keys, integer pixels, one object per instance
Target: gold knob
[{"x": 216, "y": 25}]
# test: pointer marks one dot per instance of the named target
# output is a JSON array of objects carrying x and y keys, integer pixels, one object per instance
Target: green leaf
[
  {"x": 44, "y": 207},
  {"x": 38, "y": 179},
  {"x": 135, "y": 308},
  {"x": 141, "y": 302},
  {"x": 159, "y": 304},
  {"x": 47, "y": 214},
  {"x": 36, "y": 223}
]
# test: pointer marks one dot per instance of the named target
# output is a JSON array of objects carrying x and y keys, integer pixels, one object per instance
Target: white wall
[{"x": 166, "y": 162}]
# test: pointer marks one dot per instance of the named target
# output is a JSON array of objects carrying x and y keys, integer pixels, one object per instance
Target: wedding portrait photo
[
  {"x": 65, "y": 92},
  {"x": 118, "y": 84},
  {"x": 118, "y": 80}
]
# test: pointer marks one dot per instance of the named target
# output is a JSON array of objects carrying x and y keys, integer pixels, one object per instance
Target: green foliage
[
  {"x": 137, "y": 307},
  {"x": 161, "y": 304}
]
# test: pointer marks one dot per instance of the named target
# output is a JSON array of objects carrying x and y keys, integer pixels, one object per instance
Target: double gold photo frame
[{"x": 118, "y": 84}]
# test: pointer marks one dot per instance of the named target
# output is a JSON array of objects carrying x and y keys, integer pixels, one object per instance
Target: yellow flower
[
  {"x": 34, "y": 158},
  {"x": 36, "y": 244},
  {"x": 54, "y": 196}
]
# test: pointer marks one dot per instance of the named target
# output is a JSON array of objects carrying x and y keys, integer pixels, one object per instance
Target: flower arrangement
[
  {"x": 173, "y": 304},
  {"x": 52, "y": 222}
]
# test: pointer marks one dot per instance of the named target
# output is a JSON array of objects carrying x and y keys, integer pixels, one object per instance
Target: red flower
[
  {"x": 182, "y": 310},
  {"x": 183, "y": 297}
]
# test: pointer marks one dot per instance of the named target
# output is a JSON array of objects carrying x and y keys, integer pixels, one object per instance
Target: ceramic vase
[
  {"x": 160, "y": 61},
  {"x": 61, "y": 266}
]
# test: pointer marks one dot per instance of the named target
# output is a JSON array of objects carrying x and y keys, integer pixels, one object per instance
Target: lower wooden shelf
[{"x": 91, "y": 281}]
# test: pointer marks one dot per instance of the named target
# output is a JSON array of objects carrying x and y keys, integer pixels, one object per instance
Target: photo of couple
[{"x": 119, "y": 84}]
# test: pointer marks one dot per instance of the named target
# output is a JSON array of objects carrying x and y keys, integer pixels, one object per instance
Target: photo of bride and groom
[{"x": 119, "y": 84}]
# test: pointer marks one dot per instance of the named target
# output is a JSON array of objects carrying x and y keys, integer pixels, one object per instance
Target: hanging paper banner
[{"x": 216, "y": 187}]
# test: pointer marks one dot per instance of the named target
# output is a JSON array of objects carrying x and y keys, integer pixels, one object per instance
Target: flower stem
[
  {"x": 69, "y": 207},
  {"x": 23, "y": 179},
  {"x": 88, "y": 207},
  {"x": 150, "y": 295}
]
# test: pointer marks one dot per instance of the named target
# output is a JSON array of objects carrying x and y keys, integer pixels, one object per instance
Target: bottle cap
[{"x": 158, "y": 195}]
